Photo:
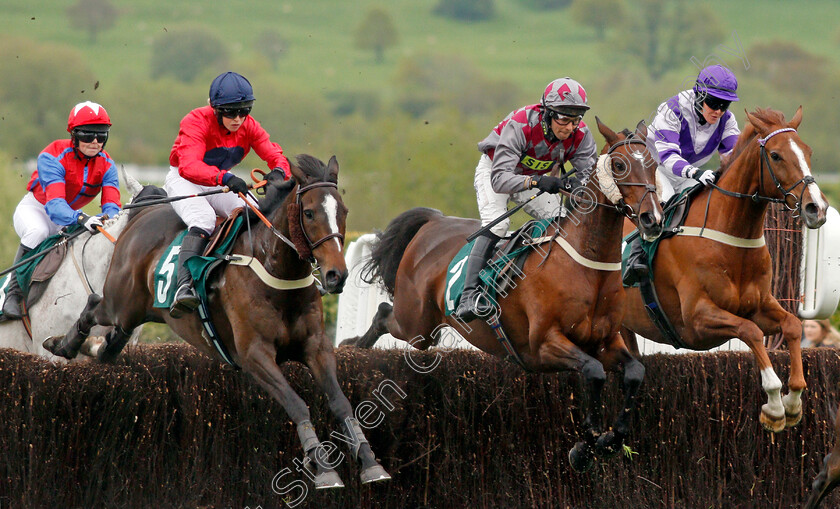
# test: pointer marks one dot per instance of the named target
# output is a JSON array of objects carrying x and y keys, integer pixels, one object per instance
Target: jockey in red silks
[
  {"x": 70, "y": 173},
  {"x": 516, "y": 157},
  {"x": 686, "y": 132},
  {"x": 210, "y": 142}
]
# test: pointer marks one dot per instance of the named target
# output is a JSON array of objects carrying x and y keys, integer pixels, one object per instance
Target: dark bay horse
[
  {"x": 563, "y": 313},
  {"x": 262, "y": 320},
  {"x": 717, "y": 288},
  {"x": 829, "y": 476}
]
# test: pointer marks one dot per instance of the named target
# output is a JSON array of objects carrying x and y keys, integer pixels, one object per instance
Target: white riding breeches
[
  {"x": 32, "y": 223},
  {"x": 200, "y": 212},
  {"x": 672, "y": 184},
  {"x": 492, "y": 204}
]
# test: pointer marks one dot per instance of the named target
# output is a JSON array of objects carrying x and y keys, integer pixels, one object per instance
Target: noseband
[{"x": 765, "y": 160}]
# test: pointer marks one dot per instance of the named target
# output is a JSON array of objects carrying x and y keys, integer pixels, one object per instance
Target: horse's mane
[
  {"x": 767, "y": 116},
  {"x": 312, "y": 167}
]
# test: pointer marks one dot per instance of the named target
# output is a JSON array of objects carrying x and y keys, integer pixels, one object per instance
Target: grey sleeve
[
  {"x": 508, "y": 152},
  {"x": 585, "y": 157}
]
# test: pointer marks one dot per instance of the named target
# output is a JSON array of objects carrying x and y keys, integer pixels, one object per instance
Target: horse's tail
[{"x": 388, "y": 248}]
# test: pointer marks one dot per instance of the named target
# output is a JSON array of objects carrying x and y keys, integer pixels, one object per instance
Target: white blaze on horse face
[
  {"x": 806, "y": 171},
  {"x": 330, "y": 205}
]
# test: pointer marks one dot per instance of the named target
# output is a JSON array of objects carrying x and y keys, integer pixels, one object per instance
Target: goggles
[
  {"x": 233, "y": 112},
  {"x": 89, "y": 136},
  {"x": 716, "y": 103},
  {"x": 565, "y": 120}
]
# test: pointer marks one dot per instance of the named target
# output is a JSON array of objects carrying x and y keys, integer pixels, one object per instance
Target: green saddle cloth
[
  {"x": 25, "y": 271},
  {"x": 456, "y": 275},
  {"x": 201, "y": 267}
]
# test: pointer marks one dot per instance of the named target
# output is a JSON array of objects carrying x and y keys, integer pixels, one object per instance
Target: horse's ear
[
  {"x": 641, "y": 130},
  {"x": 606, "y": 132},
  {"x": 332, "y": 170},
  {"x": 760, "y": 127},
  {"x": 797, "y": 118},
  {"x": 298, "y": 174}
]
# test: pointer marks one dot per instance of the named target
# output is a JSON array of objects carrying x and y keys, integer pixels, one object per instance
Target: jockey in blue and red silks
[
  {"x": 685, "y": 133},
  {"x": 70, "y": 173},
  {"x": 210, "y": 142},
  {"x": 516, "y": 157}
]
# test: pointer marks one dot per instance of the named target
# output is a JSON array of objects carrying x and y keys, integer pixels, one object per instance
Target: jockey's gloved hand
[
  {"x": 571, "y": 183},
  {"x": 549, "y": 184},
  {"x": 234, "y": 183},
  {"x": 89, "y": 222},
  {"x": 705, "y": 177},
  {"x": 281, "y": 170}
]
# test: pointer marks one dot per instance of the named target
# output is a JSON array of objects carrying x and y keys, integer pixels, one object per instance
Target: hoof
[
  {"x": 53, "y": 344},
  {"x": 770, "y": 423},
  {"x": 374, "y": 474},
  {"x": 328, "y": 480},
  {"x": 581, "y": 457},
  {"x": 792, "y": 420},
  {"x": 608, "y": 444}
]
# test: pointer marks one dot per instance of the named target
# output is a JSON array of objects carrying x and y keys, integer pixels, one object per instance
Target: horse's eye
[
  {"x": 308, "y": 214},
  {"x": 774, "y": 156},
  {"x": 619, "y": 166}
]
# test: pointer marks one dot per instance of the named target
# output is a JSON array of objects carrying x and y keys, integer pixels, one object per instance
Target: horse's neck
[
  {"x": 596, "y": 232},
  {"x": 741, "y": 217},
  {"x": 275, "y": 255}
]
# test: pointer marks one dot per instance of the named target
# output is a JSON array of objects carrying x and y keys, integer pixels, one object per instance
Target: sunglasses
[
  {"x": 234, "y": 112},
  {"x": 563, "y": 120},
  {"x": 90, "y": 136},
  {"x": 717, "y": 104}
]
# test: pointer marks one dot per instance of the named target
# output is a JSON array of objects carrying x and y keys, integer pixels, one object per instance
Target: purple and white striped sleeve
[
  {"x": 666, "y": 135},
  {"x": 730, "y": 135}
]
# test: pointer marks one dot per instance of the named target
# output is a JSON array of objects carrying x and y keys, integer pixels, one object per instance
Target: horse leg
[
  {"x": 68, "y": 345},
  {"x": 558, "y": 353},
  {"x": 631, "y": 341},
  {"x": 378, "y": 327},
  {"x": 769, "y": 320},
  {"x": 114, "y": 343},
  {"x": 258, "y": 361},
  {"x": 615, "y": 353},
  {"x": 322, "y": 365},
  {"x": 710, "y": 320}
]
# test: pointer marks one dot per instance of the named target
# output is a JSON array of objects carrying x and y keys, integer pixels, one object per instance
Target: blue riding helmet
[{"x": 230, "y": 87}]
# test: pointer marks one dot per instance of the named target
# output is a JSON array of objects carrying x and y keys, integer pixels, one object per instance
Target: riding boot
[
  {"x": 186, "y": 298},
  {"x": 471, "y": 304},
  {"x": 637, "y": 264},
  {"x": 14, "y": 295}
]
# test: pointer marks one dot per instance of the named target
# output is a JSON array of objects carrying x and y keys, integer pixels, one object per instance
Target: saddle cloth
[{"x": 495, "y": 276}]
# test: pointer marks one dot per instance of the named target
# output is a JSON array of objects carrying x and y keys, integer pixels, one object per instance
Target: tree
[
  {"x": 665, "y": 34},
  {"x": 377, "y": 33},
  {"x": 38, "y": 86},
  {"x": 466, "y": 10},
  {"x": 271, "y": 45},
  {"x": 185, "y": 53},
  {"x": 92, "y": 16},
  {"x": 598, "y": 14}
]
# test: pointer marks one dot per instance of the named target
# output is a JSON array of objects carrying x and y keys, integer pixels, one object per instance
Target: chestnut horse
[
  {"x": 565, "y": 311},
  {"x": 717, "y": 288},
  {"x": 265, "y": 312}
]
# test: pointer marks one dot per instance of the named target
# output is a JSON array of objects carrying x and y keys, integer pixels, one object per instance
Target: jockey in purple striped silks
[{"x": 685, "y": 133}]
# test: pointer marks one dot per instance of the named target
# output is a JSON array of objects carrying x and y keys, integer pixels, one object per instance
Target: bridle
[
  {"x": 765, "y": 160},
  {"x": 622, "y": 206},
  {"x": 312, "y": 245}
]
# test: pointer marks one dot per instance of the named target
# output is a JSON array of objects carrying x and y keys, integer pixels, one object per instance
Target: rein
[{"x": 765, "y": 160}]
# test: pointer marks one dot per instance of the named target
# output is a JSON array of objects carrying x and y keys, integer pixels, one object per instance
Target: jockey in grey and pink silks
[{"x": 518, "y": 148}]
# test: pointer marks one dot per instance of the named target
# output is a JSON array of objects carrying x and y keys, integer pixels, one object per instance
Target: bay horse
[
  {"x": 717, "y": 288},
  {"x": 563, "y": 313},
  {"x": 81, "y": 272},
  {"x": 829, "y": 477},
  {"x": 262, "y": 319}
]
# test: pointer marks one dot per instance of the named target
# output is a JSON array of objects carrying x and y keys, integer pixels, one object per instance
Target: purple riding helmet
[{"x": 717, "y": 81}]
